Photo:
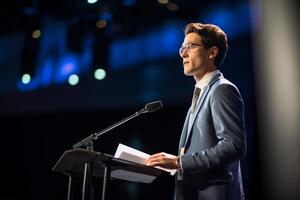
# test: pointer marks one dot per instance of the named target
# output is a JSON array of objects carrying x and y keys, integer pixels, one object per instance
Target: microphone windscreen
[{"x": 153, "y": 106}]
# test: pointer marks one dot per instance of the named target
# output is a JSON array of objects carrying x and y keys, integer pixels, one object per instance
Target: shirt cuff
[{"x": 179, "y": 163}]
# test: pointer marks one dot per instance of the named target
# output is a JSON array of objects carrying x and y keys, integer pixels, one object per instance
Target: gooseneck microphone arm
[{"x": 88, "y": 141}]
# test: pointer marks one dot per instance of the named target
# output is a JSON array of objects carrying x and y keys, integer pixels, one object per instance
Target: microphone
[
  {"x": 88, "y": 141},
  {"x": 153, "y": 106}
]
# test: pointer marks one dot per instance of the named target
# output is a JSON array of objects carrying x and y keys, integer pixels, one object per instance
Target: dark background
[{"x": 41, "y": 120}]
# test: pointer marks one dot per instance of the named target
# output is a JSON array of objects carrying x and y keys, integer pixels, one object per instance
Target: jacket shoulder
[{"x": 223, "y": 88}]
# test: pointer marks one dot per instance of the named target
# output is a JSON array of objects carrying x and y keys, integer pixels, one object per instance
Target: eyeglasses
[{"x": 189, "y": 46}]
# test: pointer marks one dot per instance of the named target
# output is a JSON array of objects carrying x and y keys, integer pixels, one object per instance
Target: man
[{"x": 213, "y": 136}]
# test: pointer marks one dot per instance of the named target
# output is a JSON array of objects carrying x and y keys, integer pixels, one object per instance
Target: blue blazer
[{"x": 214, "y": 145}]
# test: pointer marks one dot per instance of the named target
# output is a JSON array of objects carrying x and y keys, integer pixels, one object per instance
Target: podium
[{"x": 90, "y": 164}]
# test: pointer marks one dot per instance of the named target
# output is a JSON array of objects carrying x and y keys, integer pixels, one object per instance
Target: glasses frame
[{"x": 188, "y": 47}]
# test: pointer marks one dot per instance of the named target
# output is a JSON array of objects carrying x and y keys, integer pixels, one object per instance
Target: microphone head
[{"x": 153, "y": 106}]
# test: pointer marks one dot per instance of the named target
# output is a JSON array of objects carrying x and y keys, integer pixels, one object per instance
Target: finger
[
  {"x": 157, "y": 155},
  {"x": 146, "y": 162},
  {"x": 155, "y": 164},
  {"x": 151, "y": 161},
  {"x": 154, "y": 161}
]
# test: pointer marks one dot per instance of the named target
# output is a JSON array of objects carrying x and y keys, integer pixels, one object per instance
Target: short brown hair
[{"x": 211, "y": 35}]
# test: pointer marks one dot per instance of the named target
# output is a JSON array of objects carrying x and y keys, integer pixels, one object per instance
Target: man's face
[{"x": 194, "y": 56}]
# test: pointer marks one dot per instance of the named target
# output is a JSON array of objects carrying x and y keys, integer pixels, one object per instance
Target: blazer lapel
[
  {"x": 184, "y": 130},
  {"x": 199, "y": 105}
]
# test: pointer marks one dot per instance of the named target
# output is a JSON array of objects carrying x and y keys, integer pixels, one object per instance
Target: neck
[{"x": 199, "y": 76}]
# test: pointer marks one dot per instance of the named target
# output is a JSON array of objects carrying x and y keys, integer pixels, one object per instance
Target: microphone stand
[{"x": 88, "y": 143}]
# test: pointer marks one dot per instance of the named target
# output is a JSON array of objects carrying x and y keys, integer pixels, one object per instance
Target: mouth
[{"x": 185, "y": 62}]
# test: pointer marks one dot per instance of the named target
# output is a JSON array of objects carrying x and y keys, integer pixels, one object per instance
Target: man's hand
[{"x": 164, "y": 160}]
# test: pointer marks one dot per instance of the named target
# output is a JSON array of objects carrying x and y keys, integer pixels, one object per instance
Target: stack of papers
[{"x": 130, "y": 154}]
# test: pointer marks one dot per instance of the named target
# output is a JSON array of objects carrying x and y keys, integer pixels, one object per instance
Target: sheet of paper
[
  {"x": 134, "y": 155},
  {"x": 131, "y": 154}
]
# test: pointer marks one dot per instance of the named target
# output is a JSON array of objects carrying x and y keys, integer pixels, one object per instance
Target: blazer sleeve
[{"x": 227, "y": 111}]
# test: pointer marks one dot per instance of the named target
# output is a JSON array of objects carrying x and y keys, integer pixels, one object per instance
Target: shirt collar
[{"x": 206, "y": 79}]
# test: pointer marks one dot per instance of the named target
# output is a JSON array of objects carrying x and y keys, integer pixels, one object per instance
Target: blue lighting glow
[
  {"x": 46, "y": 72},
  {"x": 107, "y": 16},
  {"x": 31, "y": 85},
  {"x": 171, "y": 41},
  {"x": 128, "y": 2},
  {"x": 54, "y": 62},
  {"x": 67, "y": 65},
  {"x": 234, "y": 21},
  {"x": 162, "y": 43},
  {"x": 129, "y": 51},
  {"x": 30, "y": 11},
  {"x": 85, "y": 59}
]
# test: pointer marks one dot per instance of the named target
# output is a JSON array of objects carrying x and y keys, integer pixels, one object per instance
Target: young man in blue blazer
[{"x": 213, "y": 139}]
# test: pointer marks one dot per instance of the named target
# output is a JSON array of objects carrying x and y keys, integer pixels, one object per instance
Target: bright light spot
[
  {"x": 92, "y": 1},
  {"x": 100, "y": 74},
  {"x": 101, "y": 23},
  {"x": 26, "y": 78},
  {"x": 36, "y": 33},
  {"x": 172, "y": 6},
  {"x": 163, "y": 1},
  {"x": 73, "y": 79}
]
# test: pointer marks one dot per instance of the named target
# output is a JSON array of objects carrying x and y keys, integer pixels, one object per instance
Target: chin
[{"x": 188, "y": 73}]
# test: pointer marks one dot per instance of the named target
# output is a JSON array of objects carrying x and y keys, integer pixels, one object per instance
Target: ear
[{"x": 213, "y": 52}]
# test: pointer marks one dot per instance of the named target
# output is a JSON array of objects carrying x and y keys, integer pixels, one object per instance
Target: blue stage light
[
  {"x": 92, "y": 1},
  {"x": 100, "y": 74},
  {"x": 73, "y": 79},
  {"x": 26, "y": 79}
]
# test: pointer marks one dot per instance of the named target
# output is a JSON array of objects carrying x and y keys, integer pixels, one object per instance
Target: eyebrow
[
  {"x": 183, "y": 44},
  {"x": 192, "y": 44}
]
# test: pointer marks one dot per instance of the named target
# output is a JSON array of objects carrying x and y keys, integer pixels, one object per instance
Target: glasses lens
[
  {"x": 181, "y": 50},
  {"x": 185, "y": 47}
]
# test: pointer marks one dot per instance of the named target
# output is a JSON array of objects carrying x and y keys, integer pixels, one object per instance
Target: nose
[{"x": 184, "y": 54}]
